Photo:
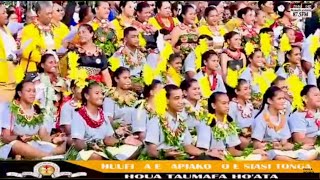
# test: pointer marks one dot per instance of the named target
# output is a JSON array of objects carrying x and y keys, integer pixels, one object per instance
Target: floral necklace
[
  {"x": 122, "y": 22},
  {"x": 161, "y": 23},
  {"x": 42, "y": 28},
  {"x": 217, "y": 30},
  {"x": 96, "y": 53},
  {"x": 200, "y": 114},
  {"x": 172, "y": 137},
  {"x": 75, "y": 104},
  {"x": 101, "y": 23},
  {"x": 224, "y": 129},
  {"x": 128, "y": 99},
  {"x": 129, "y": 58},
  {"x": 277, "y": 128},
  {"x": 291, "y": 71},
  {"x": 90, "y": 122},
  {"x": 312, "y": 115},
  {"x": 246, "y": 110},
  {"x": 151, "y": 112},
  {"x": 237, "y": 56},
  {"x": 24, "y": 119},
  {"x": 189, "y": 28}
]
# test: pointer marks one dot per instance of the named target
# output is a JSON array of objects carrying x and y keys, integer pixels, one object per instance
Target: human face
[
  {"x": 58, "y": 12},
  {"x": 190, "y": 16},
  {"x": 156, "y": 89},
  {"x": 28, "y": 93},
  {"x": 235, "y": 42},
  {"x": 295, "y": 56},
  {"x": 193, "y": 92},
  {"x": 152, "y": 5},
  {"x": 50, "y": 65},
  {"x": 165, "y": 10},
  {"x": 257, "y": 60},
  {"x": 278, "y": 101},
  {"x": 84, "y": 35},
  {"x": 13, "y": 18},
  {"x": 103, "y": 10},
  {"x": 3, "y": 15},
  {"x": 95, "y": 96},
  {"x": 283, "y": 86},
  {"x": 268, "y": 7},
  {"x": 261, "y": 18},
  {"x": 226, "y": 14},
  {"x": 249, "y": 17},
  {"x": 244, "y": 92},
  {"x": 89, "y": 15},
  {"x": 291, "y": 35},
  {"x": 213, "y": 18},
  {"x": 77, "y": 92},
  {"x": 221, "y": 105},
  {"x": 30, "y": 17},
  {"x": 175, "y": 101},
  {"x": 45, "y": 15},
  {"x": 202, "y": 5},
  {"x": 145, "y": 14},
  {"x": 212, "y": 63},
  {"x": 124, "y": 80},
  {"x": 129, "y": 9},
  {"x": 132, "y": 39},
  {"x": 177, "y": 64},
  {"x": 312, "y": 99},
  {"x": 287, "y": 13},
  {"x": 220, "y": 9}
]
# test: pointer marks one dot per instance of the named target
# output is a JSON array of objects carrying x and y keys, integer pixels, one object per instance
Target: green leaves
[{"x": 23, "y": 119}]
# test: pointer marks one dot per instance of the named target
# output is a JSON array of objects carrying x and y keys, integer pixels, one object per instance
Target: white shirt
[{"x": 9, "y": 43}]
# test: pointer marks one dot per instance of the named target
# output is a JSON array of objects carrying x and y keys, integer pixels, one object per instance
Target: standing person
[
  {"x": 163, "y": 18},
  {"x": 8, "y": 47},
  {"x": 40, "y": 33},
  {"x": 60, "y": 30},
  {"x": 268, "y": 8},
  {"x": 246, "y": 29}
]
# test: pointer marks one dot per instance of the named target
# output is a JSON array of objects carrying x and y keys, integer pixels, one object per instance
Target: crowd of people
[{"x": 146, "y": 80}]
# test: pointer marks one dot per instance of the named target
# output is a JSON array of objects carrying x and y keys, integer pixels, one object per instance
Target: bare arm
[
  {"x": 152, "y": 150},
  {"x": 106, "y": 77},
  {"x": 79, "y": 144},
  {"x": 192, "y": 150},
  {"x": 301, "y": 138},
  {"x": 110, "y": 141},
  {"x": 244, "y": 60},
  {"x": 258, "y": 144},
  {"x": 66, "y": 129},
  {"x": 234, "y": 152},
  {"x": 44, "y": 135},
  {"x": 175, "y": 36},
  {"x": 224, "y": 61},
  {"x": 306, "y": 66},
  {"x": 7, "y": 137}
]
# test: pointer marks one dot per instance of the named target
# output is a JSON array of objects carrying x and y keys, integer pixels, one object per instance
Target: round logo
[
  {"x": 98, "y": 61},
  {"x": 46, "y": 168}
]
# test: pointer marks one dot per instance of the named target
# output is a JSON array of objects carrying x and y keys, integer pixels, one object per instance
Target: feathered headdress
[
  {"x": 19, "y": 74},
  {"x": 199, "y": 50},
  {"x": 285, "y": 43},
  {"x": 295, "y": 87},
  {"x": 160, "y": 103},
  {"x": 148, "y": 74},
  {"x": 315, "y": 44},
  {"x": 205, "y": 86},
  {"x": 76, "y": 74},
  {"x": 249, "y": 48},
  {"x": 163, "y": 59},
  {"x": 265, "y": 44},
  {"x": 114, "y": 63}
]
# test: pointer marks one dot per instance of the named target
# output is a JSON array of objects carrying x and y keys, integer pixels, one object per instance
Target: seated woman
[
  {"x": 281, "y": 83},
  {"x": 185, "y": 36},
  {"x": 92, "y": 59},
  {"x": 23, "y": 123},
  {"x": 91, "y": 129},
  {"x": 270, "y": 129},
  {"x": 304, "y": 124},
  {"x": 173, "y": 74},
  {"x": 167, "y": 136},
  {"x": 119, "y": 103},
  {"x": 146, "y": 111},
  {"x": 49, "y": 86},
  {"x": 242, "y": 111},
  {"x": 68, "y": 109},
  {"x": 222, "y": 132},
  {"x": 209, "y": 78}
]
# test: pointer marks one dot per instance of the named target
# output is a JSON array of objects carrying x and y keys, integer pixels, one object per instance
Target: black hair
[
  {"x": 208, "y": 10},
  {"x": 240, "y": 83},
  {"x": 213, "y": 99},
  {"x": 289, "y": 53},
  {"x": 186, "y": 84},
  {"x": 159, "y": 5},
  {"x": 269, "y": 94},
  {"x": 243, "y": 11},
  {"x": 204, "y": 36},
  {"x": 86, "y": 90},
  {"x": 286, "y": 8},
  {"x": 19, "y": 88},
  {"x": 164, "y": 31},
  {"x": 206, "y": 55},
  {"x": 173, "y": 56},
  {"x": 286, "y": 29},
  {"x": 265, "y": 30},
  {"x": 43, "y": 60},
  {"x": 169, "y": 88},
  {"x": 98, "y": 3},
  {"x": 69, "y": 11},
  {"x": 10, "y": 12},
  {"x": 118, "y": 72},
  {"x": 90, "y": 29},
  {"x": 149, "y": 88},
  {"x": 277, "y": 80},
  {"x": 83, "y": 12},
  {"x": 214, "y": 3},
  {"x": 127, "y": 30},
  {"x": 184, "y": 11},
  {"x": 254, "y": 52},
  {"x": 260, "y": 3},
  {"x": 229, "y": 35},
  {"x": 317, "y": 54},
  {"x": 39, "y": 5},
  {"x": 122, "y": 4},
  {"x": 174, "y": 6},
  {"x": 306, "y": 89},
  {"x": 141, "y": 6}
]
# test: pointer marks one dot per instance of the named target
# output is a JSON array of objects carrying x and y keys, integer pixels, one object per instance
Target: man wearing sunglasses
[{"x": 60, "y": 30}]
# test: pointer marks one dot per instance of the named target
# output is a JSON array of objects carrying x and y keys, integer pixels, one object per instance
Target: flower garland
[
  {"x": 46, "y": 29},
  {"x": 128, "y": 99},
  {"x": 172, "y": 137},
  {"x": 101, "y": 23},
  {"x": 246, "y": 110},
  {"x": 106, "y": 40},
  {"x": 129, "y": 58},
  {"x": 25, "y": 120},
  {"x": 277, "y": 128},
  {"x": 249, "y": 34},
  {"x": 224, "y": 129},
  {"x": 200, "y": 114},
  {"x": 161, "y": 23},
  {"x": 90, "y": 122},
  {"x": 312, "y": 115}
]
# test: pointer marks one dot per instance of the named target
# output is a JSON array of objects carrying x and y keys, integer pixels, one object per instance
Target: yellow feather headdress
[
  {"x": 265, "y": 44},
  {"x": 205, "y": 86},
  {"x": 74, "y": 73},
  {"x": 317, "y": 68},
  {"x": 233, "y": 76},
  {"x": 160, "y": 103},
  {"x": 295, "y": 87},
  {"x": 148, "y": 74},
  {"x": 249, "y": 48},
  {"x": 204, "y": 30},
  {"x": 175, "y": 76},
  {"x": 114, "y": 63},
  {"x": 19, "y": 74},
  {"x": 199, "y": 50},
  {"x": 264, "y": 80},
  {"x": 285, "y": 43},
  {"x": 164, "y": 56},
  {"x": 315, "y": 44}
]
